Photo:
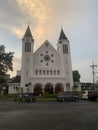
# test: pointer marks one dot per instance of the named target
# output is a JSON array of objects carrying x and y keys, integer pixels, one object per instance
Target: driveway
[{"x": 82, "y": 115}]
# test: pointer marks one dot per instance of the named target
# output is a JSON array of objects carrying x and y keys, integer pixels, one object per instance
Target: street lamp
[{"x": 28, "y": 86}]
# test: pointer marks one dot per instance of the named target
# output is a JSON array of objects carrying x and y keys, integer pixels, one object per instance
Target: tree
[
  {"x": 76, "y": 76},
  {"x": 6, "y": 64}
]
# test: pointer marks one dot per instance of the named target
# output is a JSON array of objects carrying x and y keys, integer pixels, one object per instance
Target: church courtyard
[{"x": 51, "y": 115}]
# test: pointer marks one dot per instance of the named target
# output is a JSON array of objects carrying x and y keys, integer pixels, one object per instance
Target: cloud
[
  {"x": 78, "y": 18},
  {"x": 38, "y": 13},
  {"x": 41, "y": 15},
  {"x": 16, "y": 66},
  {"x": 35, "y": 8},
  {"x": 17, "y": 32},
  {"x": 46, "y": 17}
]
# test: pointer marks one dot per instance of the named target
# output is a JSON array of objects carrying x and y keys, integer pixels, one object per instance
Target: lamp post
[{"x": 28, "y": 86}]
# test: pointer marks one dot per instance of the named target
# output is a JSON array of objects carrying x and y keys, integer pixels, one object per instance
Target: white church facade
[{"x": 47, "y": 69}]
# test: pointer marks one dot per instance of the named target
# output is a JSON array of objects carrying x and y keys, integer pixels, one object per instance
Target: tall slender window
[
  {"x": 47, "y": 72},
  {"x": 40, "y": 72},
  {"x": 58, "y": 72},
  {"x": 43, "y": 72},
  {"x": 27, "y": 47},
  {"x": 36, "y": 72},
  {"x": 54, "y": 72},
  {"x": 65, "y": 48},
  {"x": 51, "y": 72}
]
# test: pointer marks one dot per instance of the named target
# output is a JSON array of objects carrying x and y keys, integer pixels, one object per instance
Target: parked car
[
  {"x": 67, "y": 96},
  {"x": 93, "y": 95},
  {"x": 85, "y": 95},
  {"x": 28, "y": 97}
]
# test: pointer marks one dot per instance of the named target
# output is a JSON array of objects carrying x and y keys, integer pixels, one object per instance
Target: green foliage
[
  {"x": 76, "y": 76},
  {"x": 47, "y": 95},
  {"x": 89, "y": 86},
  {"x": 74, "y": 88},
  {"x": 6, "y": 64},
  {"x": 96, "y": 86},
  {"x": 5, "y": 60},
  {"x": 12, "y": 96},
  {"x": 2, "y": 79}
]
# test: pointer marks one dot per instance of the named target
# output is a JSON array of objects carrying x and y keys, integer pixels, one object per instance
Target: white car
[{"x": 85, "y": 95}]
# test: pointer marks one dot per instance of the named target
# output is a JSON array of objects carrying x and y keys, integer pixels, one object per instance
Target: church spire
[
  {"x": 28, "y": 32},
  {"x": 62, "y": 35}
]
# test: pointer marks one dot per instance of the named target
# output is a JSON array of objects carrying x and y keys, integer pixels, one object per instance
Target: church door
[
  {"x": 48, "y": 88},
  {"x": 37, "y": 89},
  {"x": 58, "y": 88}
]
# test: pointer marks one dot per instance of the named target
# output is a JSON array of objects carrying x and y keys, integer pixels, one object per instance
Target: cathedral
[{"x": 47, "y": 69}]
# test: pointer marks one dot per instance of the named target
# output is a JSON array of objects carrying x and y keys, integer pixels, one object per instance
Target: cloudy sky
[{"x": 78, "y": 18}]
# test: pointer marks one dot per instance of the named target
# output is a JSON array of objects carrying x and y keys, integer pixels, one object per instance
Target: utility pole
[{"x": 93, "y": 71}]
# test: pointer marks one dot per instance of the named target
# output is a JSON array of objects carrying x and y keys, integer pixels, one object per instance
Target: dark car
[
  {"x": 93, "y": 95},
  {"x": 67, "y": 96},
  {"x": 28, "y": 97}
]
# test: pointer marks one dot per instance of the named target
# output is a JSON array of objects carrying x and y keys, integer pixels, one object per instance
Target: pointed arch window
[
  {"x": 40, "y": 72},
  {"x": 27, "y": 47},
  {"x": 36, "y": 72},
  {"x": 65, "y": 49},
  {"x": 58, "y": 72},
  {"x": 54, "y": 72},
  {"x": 51, "y": 72},
  {"x": 43, "y": 72},
  {"x": 47, "y": 72}
]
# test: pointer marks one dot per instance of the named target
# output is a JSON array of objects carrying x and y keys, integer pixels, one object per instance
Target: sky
[{"x": 78, "y": 18}]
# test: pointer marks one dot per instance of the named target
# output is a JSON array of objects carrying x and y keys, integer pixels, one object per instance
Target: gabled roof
[
  {"x": 28, "y": 32},
  {"x": 62, "y": 35},
  {"x": 16, "y": 79},
  {"x": 46, "y": 49},
  {"x": 44, "y": 44}
]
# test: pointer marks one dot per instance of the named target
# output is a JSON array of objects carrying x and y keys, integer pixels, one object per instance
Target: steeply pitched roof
[
  {"x": 15, "y": 79},
  {"x": 62, "y": 35},
  {"x": 28, "y": 33}
]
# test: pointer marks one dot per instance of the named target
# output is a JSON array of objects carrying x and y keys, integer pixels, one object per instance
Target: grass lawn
[{"x": 45, "y": 99}]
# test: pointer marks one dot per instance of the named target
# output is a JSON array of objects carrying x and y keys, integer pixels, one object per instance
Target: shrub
[{"x": 47, "y": 95}]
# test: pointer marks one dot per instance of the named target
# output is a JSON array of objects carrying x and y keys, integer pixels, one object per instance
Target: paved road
[{"x": 82, "y": 115}]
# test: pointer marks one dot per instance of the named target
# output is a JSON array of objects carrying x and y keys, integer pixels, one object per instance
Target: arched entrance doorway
[
  {"x": 37, "y": 89},
  {"x": 48, "y": 88},
  {"x": 58, "y": 88}
]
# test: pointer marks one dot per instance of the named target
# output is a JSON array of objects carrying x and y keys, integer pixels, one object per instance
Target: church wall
[
  {"x": 52, "y": 81},
  {"x": 63, "y": 48},
  {"x": 68, "y": 67},
  {"x": 39, "y": 57},
  {"x": 14, "y": 88},
  {"x": 46, "y": 65}
]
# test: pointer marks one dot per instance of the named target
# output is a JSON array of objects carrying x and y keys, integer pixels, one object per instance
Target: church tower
[
  {"x": 27, "y": 60},
  {"x": 63, "y": 48}
]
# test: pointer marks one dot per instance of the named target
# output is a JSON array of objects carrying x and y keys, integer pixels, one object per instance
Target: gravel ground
[{"x": 82, "y": 115}]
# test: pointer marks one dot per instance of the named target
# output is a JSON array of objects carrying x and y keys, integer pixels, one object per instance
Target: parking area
[{"x": 50, "y": 115}]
